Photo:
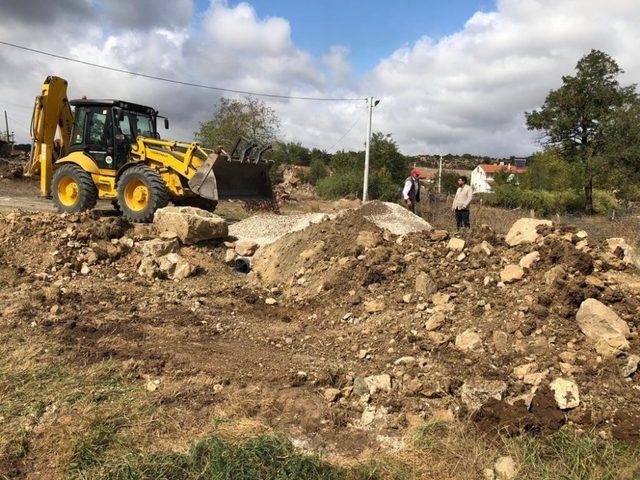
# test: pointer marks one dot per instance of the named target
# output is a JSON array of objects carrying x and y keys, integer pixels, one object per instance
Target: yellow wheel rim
[
  {"x": 68, "y": 191},
  {"x": 136, "y": 195}
]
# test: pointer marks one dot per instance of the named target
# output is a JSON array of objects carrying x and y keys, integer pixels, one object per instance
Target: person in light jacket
[
  {"x": 461, "y": 203},
  {"x": 411, "y": 191}
]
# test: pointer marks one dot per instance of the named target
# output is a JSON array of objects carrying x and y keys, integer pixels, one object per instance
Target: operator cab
[{"x": 105, "y": 129}]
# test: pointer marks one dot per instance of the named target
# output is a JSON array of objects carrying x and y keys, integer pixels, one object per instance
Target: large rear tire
[
  {"x": 141, "y": 191},
  {"x": 73, "y": 189}
]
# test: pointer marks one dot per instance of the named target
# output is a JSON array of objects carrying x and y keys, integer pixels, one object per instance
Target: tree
[
  {"x": 317, "y": 171},
  {"x": 572, "y": 117},
  {"x": 385, "y": 157},
  {"x": 248, "y": 117}
]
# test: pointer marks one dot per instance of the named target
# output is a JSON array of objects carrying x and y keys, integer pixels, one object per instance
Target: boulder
[
  {"x": 148, "y": 267},
  {"x": 631, "y": 367},
  {"x": 620, "y": 248},
  {"x": 456, "y": 244},
  {"x": 246, "y": 248},
  {"x": 425, "y": 285},
  {"x": 524, "y": 230},
  {"x": 175, "y": 267},
  {"x": 439, "y": 235},
  {"x": 511, "y": 273},
  {"x": 603, "y": 327},
  {"x": 468, "y": 341},
  {"x": 190, "y": 224},
  {"x": 529, "y": 260},
  {"x": 566, "y": 393},
  {"x": 158, "y": 247},
  {"x": 475, "y": 393}
]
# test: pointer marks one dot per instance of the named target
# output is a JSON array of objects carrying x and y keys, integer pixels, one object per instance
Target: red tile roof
[{"x": 493, "y": 168}]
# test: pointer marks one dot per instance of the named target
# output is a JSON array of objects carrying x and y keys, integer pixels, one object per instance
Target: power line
[
  {"x": 179, "y": 82},
  {"x": 345, "y": 134}
]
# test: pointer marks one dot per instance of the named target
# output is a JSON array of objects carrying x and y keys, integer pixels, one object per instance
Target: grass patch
[
  {"x": 265, "y": 457},
  {"x": 568, "y": 455}
]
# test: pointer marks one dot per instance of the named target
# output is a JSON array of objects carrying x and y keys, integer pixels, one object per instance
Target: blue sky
[{"x": 372, "y": 29}]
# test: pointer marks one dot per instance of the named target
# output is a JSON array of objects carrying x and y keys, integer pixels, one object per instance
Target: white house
[
  {"x": 479, "y": 180},
  {"x": 483, "y": 175}
]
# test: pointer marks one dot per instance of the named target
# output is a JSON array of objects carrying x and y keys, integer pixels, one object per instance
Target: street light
[{"x": 365, "y": 188}]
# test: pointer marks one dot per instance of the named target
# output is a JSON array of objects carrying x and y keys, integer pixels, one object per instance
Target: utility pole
[
  {"x": 440, "y": 174},
  {"x": 365, "y": 187},
  {"x": 6, "y": 122},
  {"x": 367, "y": 146}
]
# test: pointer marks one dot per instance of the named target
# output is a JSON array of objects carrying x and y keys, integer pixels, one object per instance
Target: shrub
[
  {"x": 542, "y": 201},
  {"x": 317, "y": 171},
  {"x": 340, "y": 185}
]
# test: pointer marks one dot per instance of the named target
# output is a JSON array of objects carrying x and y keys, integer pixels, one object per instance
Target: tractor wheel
[
  {"x": 141, "y": 191},
  {"x": 73, "y": 189},
  {"x": 198, "y": 202}
]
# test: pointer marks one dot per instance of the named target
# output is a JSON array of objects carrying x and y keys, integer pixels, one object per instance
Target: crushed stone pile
[
  {"x": 267, "y": 228},
  {"x": 393, "y": 217}
]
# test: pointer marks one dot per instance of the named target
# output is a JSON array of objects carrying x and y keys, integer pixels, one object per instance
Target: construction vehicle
[{"x": 111, "y": 150}]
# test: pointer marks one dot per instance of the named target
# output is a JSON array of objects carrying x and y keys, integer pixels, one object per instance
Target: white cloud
[{"x": 465, "y": 92}]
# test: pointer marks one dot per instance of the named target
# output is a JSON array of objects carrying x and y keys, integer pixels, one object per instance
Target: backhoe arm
[{"x": 51, "y": 115}]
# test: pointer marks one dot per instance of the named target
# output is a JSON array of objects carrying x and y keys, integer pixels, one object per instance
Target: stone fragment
[
  {"x": 425, "y": 285},
  {"x": 594, "y": 281},
  {"x": 468, "y": 341},
  {"x": 505, "y": 468},
  {"x": 520, "y": 371},
  {"x": 440, "y": 299},
  {"x": 486, "y": 248},
  {"x": 439, "y": 235},
  {"x": 158, "y": 247},
  {"x": 374, "y": 306},
  {"x": 270, "y": 301},
  {"x": 582, "y": 234},
  {"x": 331, "y": 394},
  {"x": 603, "y": 327},
  {"x": 175, "y": 267},
  {"x": 148, "y": 267},
  {"x": 529, "y": 260},
  {"x": 407, "y": 361},
  {"x": 435, "y": 321},
  {"x": 456, "y": 244},
  {"x": 475, "y": 393},
  {"x": 246, "y": 248},
  {"x": 372, "y": 384},
  {"x": 511, "y": 273},
  {"x": 500, "y": 341},
  {"x": 524, "y": 230},
  {"x": 368, "y": 239},
  {"x": 565, "y": 393},
  {"x": 631, "y": 367},
  {"x": 190, "y": 224},
  {"x": 230, "y": 256},
  {"x": 554, "y": 274}
]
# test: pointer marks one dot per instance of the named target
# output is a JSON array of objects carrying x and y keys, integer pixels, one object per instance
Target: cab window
[
  {"x": 98, "y": 127},
  {"x": 77, "y": 137},
  {"x": 144, "y": 126}
]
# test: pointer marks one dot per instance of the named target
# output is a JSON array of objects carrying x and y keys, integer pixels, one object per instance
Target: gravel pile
[
  {"x": 267, "y": 228},
  {"x": 393, "y": 217}
]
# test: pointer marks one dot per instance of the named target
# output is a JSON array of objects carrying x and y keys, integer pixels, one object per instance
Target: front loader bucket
[{"x": 222, "y": 178}]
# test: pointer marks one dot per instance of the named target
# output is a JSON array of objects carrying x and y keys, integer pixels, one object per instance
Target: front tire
[
  {"x": 141, "y": 191},
  {"x": 73, "y": 189}
]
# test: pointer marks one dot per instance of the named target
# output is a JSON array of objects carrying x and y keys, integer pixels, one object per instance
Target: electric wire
[
  {"x": 178, "y": 82},
  {"x": 345, "y": 134}
]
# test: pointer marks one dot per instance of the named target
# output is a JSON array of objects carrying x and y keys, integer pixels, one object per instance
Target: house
[
  {"x": 483, "y": 176},
  {"x": 427, "y": 175}
]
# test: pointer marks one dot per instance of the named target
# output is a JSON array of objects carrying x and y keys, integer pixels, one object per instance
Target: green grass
[
  {"x": 567, "y": 455},
  {"x": 264, "y": 457}
]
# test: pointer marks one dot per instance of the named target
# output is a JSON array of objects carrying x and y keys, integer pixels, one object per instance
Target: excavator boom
[{"x": 51, "y": 117}]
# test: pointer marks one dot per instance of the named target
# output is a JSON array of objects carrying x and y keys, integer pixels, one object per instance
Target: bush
[
  {"x": 317, "y": 171},
  {"x": 604, "y": 202},
  {"x": 542, "y": 201},
  {"x": 342, "y": 185}
]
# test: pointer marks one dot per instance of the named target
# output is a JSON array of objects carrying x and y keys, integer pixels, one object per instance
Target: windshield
[{"x": 136, "y": 124}]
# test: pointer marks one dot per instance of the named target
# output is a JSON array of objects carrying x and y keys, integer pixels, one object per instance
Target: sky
[{"x": 453, "y": 77}]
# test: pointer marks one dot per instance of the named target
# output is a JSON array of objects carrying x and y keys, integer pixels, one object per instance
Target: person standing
[
  {"x": 411, "y": 191},
  {"x": 461, "y": 203}
]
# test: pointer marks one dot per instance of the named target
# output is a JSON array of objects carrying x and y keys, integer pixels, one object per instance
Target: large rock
[
  {"x": 190, "y": 224},
  {"x": 475, "y": 393},
  {"x": 620, "y": 247},
  {"x": 529, "y": 260},
  {"x": 175, "y": 267},
  {"x": 603, "y": 327},
  {"x": 524, "y": 230},
  {"x": 372, "y": 384},
  {"x": 456, "y": 244}
]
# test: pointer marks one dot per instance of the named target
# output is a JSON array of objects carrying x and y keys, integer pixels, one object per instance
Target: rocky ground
[{"x": 345, "y": 335}]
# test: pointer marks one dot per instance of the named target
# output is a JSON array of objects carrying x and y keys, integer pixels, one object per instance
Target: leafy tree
[
  {"x": 386, "y": 157},
  {"x": 548, "y": 170},
  {"x": 502, "y": 177},
  {"x": 248, "y": 117},
  {"x": 572, "y": 117},
  {"x": 449, "y": 182},
  {"x": 317, "y": 171}
]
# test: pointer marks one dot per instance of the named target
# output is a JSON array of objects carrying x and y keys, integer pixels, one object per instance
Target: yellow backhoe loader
[{"x": 111, "y": 149}]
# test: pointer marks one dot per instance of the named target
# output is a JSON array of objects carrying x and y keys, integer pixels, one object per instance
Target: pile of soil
[{"x": 342, "y": 333}]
